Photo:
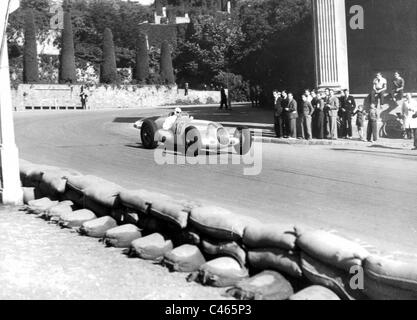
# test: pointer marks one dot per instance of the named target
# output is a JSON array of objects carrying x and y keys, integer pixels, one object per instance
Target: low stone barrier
[
  {"x": 67, "y": 97},
  {"x": 219, "y": 247}
]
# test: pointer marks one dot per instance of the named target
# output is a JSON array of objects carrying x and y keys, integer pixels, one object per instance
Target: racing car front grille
[{"x": 223, "y": 136}]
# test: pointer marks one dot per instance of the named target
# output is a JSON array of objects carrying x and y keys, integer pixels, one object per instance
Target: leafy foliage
[{"x": 67, "y": 59}]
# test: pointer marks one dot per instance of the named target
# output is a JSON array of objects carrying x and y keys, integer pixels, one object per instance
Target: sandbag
[
  {"x": 97, "y": 228},
  {"x": 224, "y": 249},
  {"x": 221, "y": 272},
  {"x": 75, "y": 186},
  {"x": 267, "y": 285},
  {"x": 54, "y": 213},
  {"x": 30, "y": 194},
  {"x": 102, "y": 192},
  {"x": 152, "y": 247},
  {"x": 76, "y": 219},
  {"x": 332, "y": 249},
  {"x": 41, "y": 205},
  {"x": 187, "y": 258},
  {"x": 218, "y": 223},
  {"x": 30, "y": 174},
  {"x": 53, "y": 183},
  {"x": 122, "y": 236},
  {"x": 315, "y": 293},
  {"x": 330, "y": 277},
  {"x": 170, "y": 211},
  {"x": 391, "y": 279},
  {"x": 269, "y": 236},
  {"x": 276, "y": 259},
  {"x": 140, "y": 200}
]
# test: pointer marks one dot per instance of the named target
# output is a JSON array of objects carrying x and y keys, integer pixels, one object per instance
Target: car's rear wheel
[
  {"x": 245, "y": 140},
  {"x": 147, "y": 134},
  {"x": 193, "y": 143}
]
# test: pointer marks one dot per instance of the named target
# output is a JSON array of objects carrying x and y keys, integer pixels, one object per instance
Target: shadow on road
[
  {"x": 394, "y": 155},
  {"x": 238, "y": 116}
]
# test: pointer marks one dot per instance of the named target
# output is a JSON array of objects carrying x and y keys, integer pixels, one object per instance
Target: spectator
[
  {"x": 379, "y": 89},
  {"x": 413, "y": 126},
  {"x": 253, "y": 97},
  {"x": 306, "y": 118},
  {"x": 223, "y": 98},
  {"x": 307, "y": 92},
  {"x": 332, "y": 106},
  {"x": 398, "y": 84},
  {"x": 278, "y": 120},
  {"x": 186, "y": 87},
  {"x": 258, "y": 94},
  {"x": 319, "y": 117},
  {"x": 284, "y": 105},
  {"x": 360, "y": 118},
  {"x": 292, "y": 115},
  {"x": 408, "y": 110},
  {"x": 372, "y": 124},
  {"x": 348, "y": 106},
  {"x": 84, "y": 98}
]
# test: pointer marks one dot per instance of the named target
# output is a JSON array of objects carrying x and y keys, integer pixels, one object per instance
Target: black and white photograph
[{"x": 208, "y": 154}]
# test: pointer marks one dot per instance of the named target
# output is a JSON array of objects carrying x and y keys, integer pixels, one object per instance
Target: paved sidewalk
[{"x": 41, "y": 261}]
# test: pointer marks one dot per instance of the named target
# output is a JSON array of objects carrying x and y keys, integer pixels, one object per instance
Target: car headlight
[{"x": 223, "y": 136}]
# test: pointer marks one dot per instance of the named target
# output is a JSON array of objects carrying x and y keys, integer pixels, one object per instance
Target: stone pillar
[
  {"x": 10, "y": 189},
  {"x": 330, "y": 42}
]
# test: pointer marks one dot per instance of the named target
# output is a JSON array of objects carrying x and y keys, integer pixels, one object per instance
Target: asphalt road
[{"x": 367, "y": 193}]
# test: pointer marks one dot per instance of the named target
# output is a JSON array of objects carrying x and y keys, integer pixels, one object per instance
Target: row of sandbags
[{"x": 217, "y": 246}]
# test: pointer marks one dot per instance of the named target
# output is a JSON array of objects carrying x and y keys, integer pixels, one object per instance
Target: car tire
[
  {"x": 245, "y": 140},
  {"x": 147, "y": 134},
  {"x": 193, "y": 137}
]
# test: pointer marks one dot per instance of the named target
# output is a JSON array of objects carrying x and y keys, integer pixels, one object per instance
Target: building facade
[{"x": 355, "y": 39}]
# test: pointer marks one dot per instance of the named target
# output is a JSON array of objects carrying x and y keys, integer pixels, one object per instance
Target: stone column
[
  {"x": 330, "y": 42},
  {"x": 10, "y": 189}
]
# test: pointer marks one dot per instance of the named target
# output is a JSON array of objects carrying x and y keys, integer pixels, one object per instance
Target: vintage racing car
[{"x": 191, "y": 136}]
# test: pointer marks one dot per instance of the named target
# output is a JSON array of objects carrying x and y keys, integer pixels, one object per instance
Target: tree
[
  {"x": 30, "y": 53},
  {"x": 67, "y": 58},
  {"x": 108, "y": 67},
  {"x": 142, "y": 60},
  {"x": 167, "y": 71}
]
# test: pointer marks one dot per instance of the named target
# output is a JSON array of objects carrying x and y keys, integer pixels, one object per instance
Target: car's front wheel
[
  {"x": 244, "y": 136},
  {"x": 147, "y": 134}
]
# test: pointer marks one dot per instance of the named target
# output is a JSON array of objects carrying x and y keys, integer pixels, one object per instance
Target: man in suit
[
  {"x": 291, "y": 115},
  {"x": 305, "y": 118},
  {"x": 347, "y": 107},
  {"x": 278, "y": 119},
  {"x": 223, "y": 99},
  {"x": 333, "y": 111}
]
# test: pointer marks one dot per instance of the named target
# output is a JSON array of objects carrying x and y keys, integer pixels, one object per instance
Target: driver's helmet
[{"x": 177, "y": 111}]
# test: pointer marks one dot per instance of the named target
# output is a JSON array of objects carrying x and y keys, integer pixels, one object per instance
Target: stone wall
[{"x": 38, "y": 97}]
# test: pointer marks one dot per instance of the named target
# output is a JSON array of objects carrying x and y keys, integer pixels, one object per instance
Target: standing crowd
[{"x": 321, "y": 115}]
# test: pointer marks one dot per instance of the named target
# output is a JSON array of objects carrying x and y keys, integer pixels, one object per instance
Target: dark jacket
[
  {"x": 278, "y": 107},
  {"x": 348, "y": 104},
  {"x": 293, "y": 112},
  {"x": 307, "y": 109}
]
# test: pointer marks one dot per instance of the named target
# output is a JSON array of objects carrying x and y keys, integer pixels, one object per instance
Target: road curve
[{"x": 366, "y": 193}]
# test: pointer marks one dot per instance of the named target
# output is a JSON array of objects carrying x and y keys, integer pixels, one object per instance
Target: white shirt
[
  {"x": 380, "y": 84},
  {"x": 169, "y": 122}
]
